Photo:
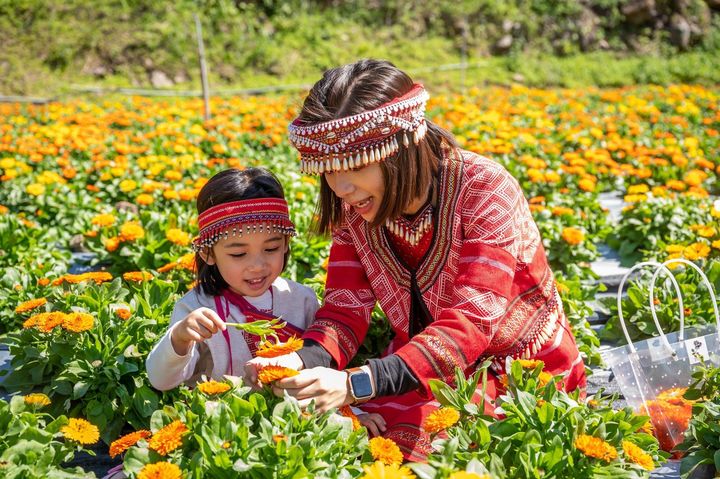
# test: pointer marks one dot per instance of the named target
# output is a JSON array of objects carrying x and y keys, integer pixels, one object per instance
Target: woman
[{"x": 442, "y": 238}]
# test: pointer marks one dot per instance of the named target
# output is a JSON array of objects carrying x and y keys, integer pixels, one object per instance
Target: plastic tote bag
[{"x": 654, "y": 374}]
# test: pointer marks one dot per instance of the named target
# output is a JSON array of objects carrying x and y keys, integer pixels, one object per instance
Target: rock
[
  {"x": 507, "y": 25},
  {"x": 181, "y": 77},
  {"x": 588, "y": 24},
  {"x": 159, "y": 79},
  {"x": 637, "y": 12},
  {"x": 503, "y": 45},
  {"x": 680, "y": 31},
  {"x": 122, "y": 206},
  {"x": 77, "y": 244},
  {"x": 518, "y": 78},
  {"x": 226, "y": 71}
]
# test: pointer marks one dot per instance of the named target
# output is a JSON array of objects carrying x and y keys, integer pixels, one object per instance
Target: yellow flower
[
  {"x": 441, "y": 419},
  {"x": 529, "y": 363},
  {"x": 35, "y": 189},
  {"x": 144, "y": 199},
  {"x": 37, "y": 399},
  {"x": 638, "y": 456},
  {"x": 160, "y": 470},
  {"x": 595, "y": 447},
  {"x": 586, "y": 184},
  {"x": 103, "y": 220},
  {"x": 127, "y": 186},
  {"x": 137, "y": 276},
  {"x": 30, "y": 305},
  {"x": 573, "y": 236},
  {"x": 716, "y": 244},
  {"x": 78, "y": 322},
  {"x": 272, "y": 350},
  {"x": 379, "y": 470},
  {"x": 467, "y": 475},
  {"x": 80, "y": 430},
  {"x": 213, "y": 387},
  {"x": 696, "y": 251},
  {"x": 124, "y": 443},
  {"x": 269, "y": 374},
  {"x": 638, "y": 189},
  {"x": 544, "y": 378},
  {"x": 168, "y": 438},
  {"x": 131, "y": 231},
  {"x": 706, "y": 231},
  {"x": 385, "y": 450},
  {"x": 178, "y": 237},
  {"x": 112, "y": 244}
]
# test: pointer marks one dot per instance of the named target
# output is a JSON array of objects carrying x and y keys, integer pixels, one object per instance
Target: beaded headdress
[
  {"x": 358, "y": 140},
  {"x": 237, "y": 218}
]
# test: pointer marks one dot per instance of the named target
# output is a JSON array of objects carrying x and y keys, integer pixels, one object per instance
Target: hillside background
[{"x": 47, "y": 46}]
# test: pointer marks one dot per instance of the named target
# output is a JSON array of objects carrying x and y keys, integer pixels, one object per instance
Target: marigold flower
[
  {"x": 30, "y": 305},
  {"x": 78, "y": 322},
  {"x": 112, "y": 244},
  {"x": 696, "y": 251},
  {"x": 441, "y": 419},
  {"x": 123, "y": 313},
  {"x": 212, "y": 387},
  {"x": 272, "y": 350},
  {"x": 82, "y": 431},
  {"x": 467, "y": 475},
  {"x": 160, "y": 470},
  {"x": 635, "y": 454},
  {"x": 385, "y": 450},
  {"x": 529, "y": 363},
  {"x": 269, "y": 374},
  {"x": 124, "y": 443},
  {"x": 595, "y": 447},
  {"x": 178, "y": 237},
  {"x": 137, "y": 276},
  {"x": 279, "y": 437},
  {"x": 35, "y": 189},
  {"x": 43, "y": 281},
  {"x": 103, "y": 220},
  {"x": 144, "y": 199},
  {"x": 544, "y": 378},
  {"x": 573, "y": 236},
  {"x": 131, "y": 231},
  {"x": 379, "y": 470},
  {"x": 347, "y": 412},
  {"x": 37, "y": 399},
  {"x": 586, "y": 184},
  {"x": 168, "y": 438},
  {"x": 47, "y": 322}
]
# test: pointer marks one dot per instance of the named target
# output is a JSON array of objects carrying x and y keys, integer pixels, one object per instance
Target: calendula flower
[
  {"x": 123, "y": 313},
  {"x": 78, "y": 322},
  {"x": 35, "y": 189},
  {"x": 82, "y": 431},
  {"x": 178, "y": 237},
  {"x": 37, "y": 399},
  {"x": 696, "y": 251},
  {"x": 529, "y": 363},
  {"x": 272, "y": 350},
  {"x": 544, "y": 378},
  {"x": 385, "y": 450},
  {"x": 347, "y": 412},
  {"x": 212, "y": 387},
  {"x": 131, "y": 231},
  {"x": 112, "y": 244},
  {"x": 467, "y": 475},
  {"x": 168, "y": 438},
  {"x": 124, "y": 443},
  {"x": 137, "y": 276},
  {"x": 269, "y": 374},
  {"x": 379, "y": 470},
  {"x": 572, "y": 236},
  {"x": 279, "y": 437},
  {"x": 50, "y": 321},
  {"x": 30, "y": 305},
  {"x": 595, "y": 447},
  {"x": 144, "y": 199},
  {"x": 635, "y": 454},
  {"x": 43, "y": 281},
  {"x": 586, "y": 184},
  {"x": 160, "y": 470},
  {"x": 103, "y": 220},
  {"x": 441, "y": 419}
]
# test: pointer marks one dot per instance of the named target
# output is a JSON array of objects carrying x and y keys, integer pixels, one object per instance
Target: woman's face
[{"x": 363, "y": 189}]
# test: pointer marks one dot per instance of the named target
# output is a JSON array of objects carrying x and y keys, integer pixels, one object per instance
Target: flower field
[{"x": 118, "y": 179}]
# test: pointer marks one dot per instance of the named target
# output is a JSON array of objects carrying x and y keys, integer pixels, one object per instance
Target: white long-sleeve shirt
[{"x": 291, "y": 301}]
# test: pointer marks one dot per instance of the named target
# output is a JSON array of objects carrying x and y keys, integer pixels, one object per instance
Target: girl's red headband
[{"x": 243, "y": 217}]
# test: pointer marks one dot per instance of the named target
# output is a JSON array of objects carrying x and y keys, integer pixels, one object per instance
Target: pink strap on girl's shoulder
[{"x": 224, "y": 314}]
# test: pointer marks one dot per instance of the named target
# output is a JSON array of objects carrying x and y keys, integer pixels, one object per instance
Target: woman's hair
[
  {"x": 225, "y": 187},
  {"x": 363, "y": 86}
]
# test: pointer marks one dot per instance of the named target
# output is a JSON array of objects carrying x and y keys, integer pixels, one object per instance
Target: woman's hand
[
  {"x": 373, "y": 422},
  {"x": 328, "y": 387},
  {"x": 253, "y": 366},
  {"x": 197, "y": 326}
]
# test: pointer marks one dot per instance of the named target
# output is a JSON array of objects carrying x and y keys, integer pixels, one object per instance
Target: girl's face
[
  {"x": 362, "y": 189},
  {"x": 251, "y": 262}
]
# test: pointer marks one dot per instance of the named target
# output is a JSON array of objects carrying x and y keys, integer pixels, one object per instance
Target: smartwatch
[{"x": 361, "y": 384}]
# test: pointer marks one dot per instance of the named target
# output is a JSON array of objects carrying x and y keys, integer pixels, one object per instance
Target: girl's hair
[
  {"x": 363, "y": 86},
  {"x": 225, "y": 187}
]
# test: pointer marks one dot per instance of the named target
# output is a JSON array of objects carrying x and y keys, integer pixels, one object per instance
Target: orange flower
[
  {"x": 270, "y": 350},
  {"x": 573, "y": 236},
  {"x": 43, "y": 281},
  {"x": 50, "y": 321},
  {"x": 168, "y": 438},
  {"x": 347, "y": 412},
  {"x": 212, "y": 387},
  {"x": 112, "y": 244},
  {"x": 279, "y": 437},
  {"x": 441, "y": 419},
  {"x": 30, "y": 305},
  {"x": 124, "y": 443},
  {"x": 137, "y": 276},
  {"x": 544, "y": 378},
  {"x": 80, "y": 430},
  {"x": 269, "y": 374},
  {"x": 123, "y": 313},
  {"x": 131, "y": 231},
  {"x": 638, "y": 456},
  {"x": 78, "y": 322},
  {"x": 178, "y": 237},
  {"x": 467, "y": 475},
  {"x": 586, "y": 184},
  {"x": 160, "y": 470},
  {"x": 37, "y": 399},
  {"x": 385, "y": 450},
  {"x": 530, "y": 363},
  {"x": 595, "y": 447},
  {"x": 103, "y": 220}
]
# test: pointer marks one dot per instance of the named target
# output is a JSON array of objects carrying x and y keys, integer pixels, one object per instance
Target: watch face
[{"x": 361, "y": 385}]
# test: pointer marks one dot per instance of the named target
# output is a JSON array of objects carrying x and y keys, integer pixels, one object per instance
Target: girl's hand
[
  {"x": 328, "y": 387},
  {"x": 374, "y": 423},
  {"x": 197, "y": 326},
  {"x": 253, "y": 366}
]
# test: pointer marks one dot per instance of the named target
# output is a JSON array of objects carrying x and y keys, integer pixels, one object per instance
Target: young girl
[
  {"x": 442, "y": 238},
  {"x": 242, "y": 248}
]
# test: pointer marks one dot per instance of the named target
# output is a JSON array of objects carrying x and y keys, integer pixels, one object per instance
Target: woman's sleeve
[
  {"x": 343, "y": 319},
  {"x": 497, "y": 232}
]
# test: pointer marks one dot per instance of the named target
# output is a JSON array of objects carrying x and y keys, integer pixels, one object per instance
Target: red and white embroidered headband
[
  {"x": 236, "y": 218},
  {"x": 358, "y": 140}
]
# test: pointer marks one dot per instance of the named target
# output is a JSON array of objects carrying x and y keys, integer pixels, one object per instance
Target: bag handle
[
  {"x": 658, "y": 267},
  {"x": 708, "y": 285}
]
